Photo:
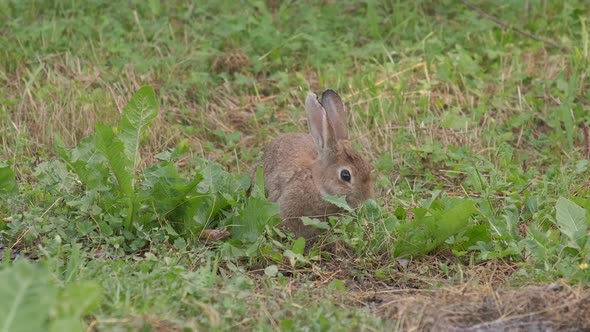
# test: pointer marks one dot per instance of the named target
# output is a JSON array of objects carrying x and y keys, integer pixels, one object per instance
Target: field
[{"x": 128, "y": 131}]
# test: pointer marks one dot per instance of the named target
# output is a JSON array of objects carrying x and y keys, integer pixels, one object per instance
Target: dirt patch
[
  {"x": 231, "y": 61},
  {"x": 554, "y": 307},
  {"x": 138, "y": 323},
  {"x": 415, "y": 301}
]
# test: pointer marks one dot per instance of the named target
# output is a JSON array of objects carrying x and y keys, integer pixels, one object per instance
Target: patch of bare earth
[
  {"x": 554, "y": 307},
  {"x": 140, "y": 323},
  {"x": 231, "y": 61},
  {"x": 419, "y": 297},
  {"x": 413, "y": 296},
  {"x": 474, "y": 305}
]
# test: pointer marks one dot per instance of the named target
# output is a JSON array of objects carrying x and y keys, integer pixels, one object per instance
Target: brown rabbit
[{"x": 300, "y": 168}]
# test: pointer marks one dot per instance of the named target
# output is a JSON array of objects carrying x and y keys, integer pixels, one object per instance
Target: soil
[
  {"x": 416, "y": 300},
  {"x": 554, "y": 307}
]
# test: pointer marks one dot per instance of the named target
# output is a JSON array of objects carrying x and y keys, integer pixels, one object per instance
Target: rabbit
[{"x": 301, "y": 168}]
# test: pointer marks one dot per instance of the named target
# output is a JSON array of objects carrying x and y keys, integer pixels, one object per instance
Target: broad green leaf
[
  {"x": 75, "y": 301},
  {"x": 105, "y": 228},
  {"x": 7, "y": 180},
  {"x": 257, "y": 183},
  {"x": 294, "y": 258},
  {"x": 173, "y": 195},
  {"x": 539, "y": 246},
  {"x": 176, "y": 197},
  {"x": 113, "y": 149},
  {"x": 571, "y": 221},
  {"x": 299, "y": 246},
  {"x": 315, "y": 222},
  {"x": 584, "y": 203},
  {"x": 137, "y": 116},
  {"x": 424, "y": 234},
  {"x": 180, "y": 244},
  {"x": 73, "y": 265},
  {"x": 217, "y": 190},
  {"x": 400, "y": 213},
  {"x": 471, "y": 236},
  {"x": 217, "y": 180},
  {"x": 249, "y": 224},
  {"x": 53, "y": 175},
  {"x": 25, "y": 297},
  {"x": 87, "y": 162},
  {"x": 339, "y": 201},
  {"x": 371, "y": 210}
]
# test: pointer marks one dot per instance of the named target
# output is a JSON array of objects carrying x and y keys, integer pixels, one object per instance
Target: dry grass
[
  {"x": 231, "y": 61},
  {"x": 140, "y": 323},
  {"x": 555, "y": 307},
  {"x": 421, "y": 298},
  {"x": 81, "y": 96}
]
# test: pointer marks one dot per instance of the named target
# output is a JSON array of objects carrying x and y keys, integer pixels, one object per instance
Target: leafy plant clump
[
  {"x": 31, "y": 301},
  {"x": 97, "y": 190}
]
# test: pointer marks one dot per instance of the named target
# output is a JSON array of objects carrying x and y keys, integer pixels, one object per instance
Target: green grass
[{"x": 477, "y": 134}]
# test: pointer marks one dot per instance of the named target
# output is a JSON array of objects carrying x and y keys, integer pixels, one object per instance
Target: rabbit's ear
[
  {"x": 319, "y": 127},
  {"x": 336, "y": 113}
]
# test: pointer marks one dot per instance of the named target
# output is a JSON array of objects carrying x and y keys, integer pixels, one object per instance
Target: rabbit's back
[{"x": 286, "y": 164}]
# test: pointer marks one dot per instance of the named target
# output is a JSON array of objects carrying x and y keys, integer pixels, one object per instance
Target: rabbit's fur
[{"x": 300, "y": 168}]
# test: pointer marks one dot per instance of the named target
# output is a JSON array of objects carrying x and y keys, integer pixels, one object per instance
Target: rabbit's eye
[{"x": 345, "y": 175}]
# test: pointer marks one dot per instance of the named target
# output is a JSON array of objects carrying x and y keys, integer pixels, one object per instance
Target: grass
[{"x": 478, "y": 136}]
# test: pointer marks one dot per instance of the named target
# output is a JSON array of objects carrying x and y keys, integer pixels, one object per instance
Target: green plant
[
  {"x": 116, "y": 152},
  {"x": 7, "y": 180},
  {"x": 30, "y": 300},
  {"x": 433, "y": 224}
]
